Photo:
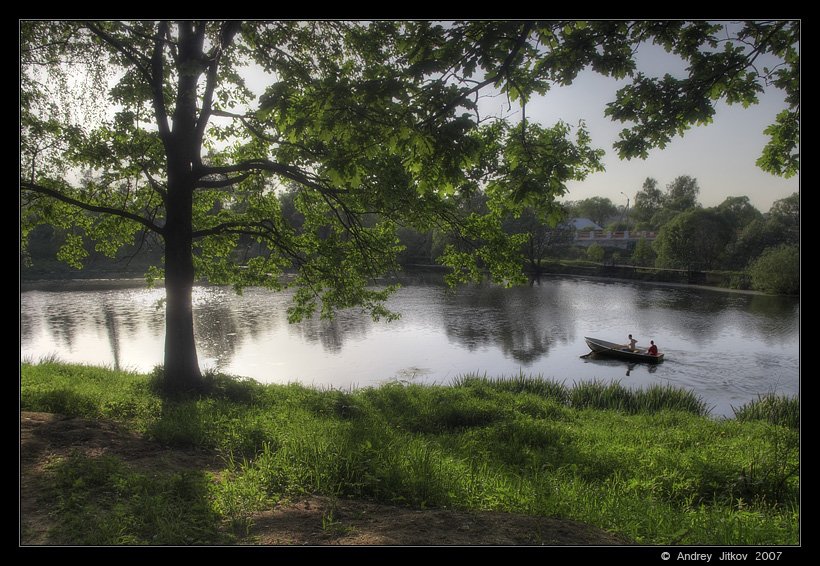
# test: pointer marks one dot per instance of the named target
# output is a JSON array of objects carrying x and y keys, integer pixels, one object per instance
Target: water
[{"x": 727, "y": 347}]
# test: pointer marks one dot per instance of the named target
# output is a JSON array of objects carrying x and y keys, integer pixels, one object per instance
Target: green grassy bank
[{"x": 647, "y": 464}]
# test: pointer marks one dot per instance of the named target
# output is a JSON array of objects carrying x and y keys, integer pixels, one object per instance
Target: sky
[{"x": 721, "y": 155}]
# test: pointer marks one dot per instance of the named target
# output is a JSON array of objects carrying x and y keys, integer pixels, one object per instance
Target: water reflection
[
  {"x": 217, "y": 332},
  {"x": 332, "y": 334},
  {"x": 728, "y": 347},
  {"x": 621, "y": 367},
  {"x": 113, "y": 333},
  {"x": 523, "y": 324}
]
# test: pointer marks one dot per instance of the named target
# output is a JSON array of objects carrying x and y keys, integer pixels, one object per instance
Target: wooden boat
[{"x": 604, "y": 348}]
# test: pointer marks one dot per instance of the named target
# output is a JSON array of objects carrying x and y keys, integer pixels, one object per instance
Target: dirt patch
[
  {"x": 306, "y": 521},
  {"x": 321, "y": 520}
]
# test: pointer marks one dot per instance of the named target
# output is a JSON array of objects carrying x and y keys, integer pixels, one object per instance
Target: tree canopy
[
  {"x": 693, "y": 239},
  {"x": 133, "y": 130},
  {"x": 597, "y": 209},
  {"x": 648, "y": 202}
]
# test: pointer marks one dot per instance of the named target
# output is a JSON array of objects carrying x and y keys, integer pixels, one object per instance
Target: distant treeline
[{"x": 732, "y": 236}]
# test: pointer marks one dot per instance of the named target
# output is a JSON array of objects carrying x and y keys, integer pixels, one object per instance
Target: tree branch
[
  {"x": 520, "y": 42},
  {"x": 221, "y": 183},
  {"x": 156, "y": 185},
  {"x": 222, "y": 228},
  {"x": 156, "y": 82},
  {"x": 268, "y": 231},
  {"x": 287, "y": 171},
  {"x": 227, "y": 33},
  {"x": 123, "y": 49},
  {"x": 25, "y": 185}
]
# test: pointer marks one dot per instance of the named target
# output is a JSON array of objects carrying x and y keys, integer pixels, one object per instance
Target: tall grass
[
  {"x": 594, "y": 394},
  {"x": 650, "y": 466},
  {"x": 88, "y": 391},
  {"x": 776, "y": 409}
]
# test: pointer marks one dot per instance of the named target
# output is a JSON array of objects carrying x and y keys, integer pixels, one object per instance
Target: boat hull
[{"x": 611, "y": 349}]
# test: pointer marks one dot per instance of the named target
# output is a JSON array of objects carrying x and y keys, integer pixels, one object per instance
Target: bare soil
[{"x": 310, "y": 520}]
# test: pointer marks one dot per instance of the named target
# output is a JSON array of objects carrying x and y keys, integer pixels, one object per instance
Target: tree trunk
[{"x": 182, "y": 373}]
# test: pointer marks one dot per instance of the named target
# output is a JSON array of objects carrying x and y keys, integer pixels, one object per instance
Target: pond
[{"x": 728, "y": 347}]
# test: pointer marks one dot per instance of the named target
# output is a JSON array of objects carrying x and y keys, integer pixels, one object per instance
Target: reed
[{"x": 776, "y": 409}]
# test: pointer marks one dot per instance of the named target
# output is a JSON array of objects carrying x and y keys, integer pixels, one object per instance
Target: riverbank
[{"x": 645, "y": 467}]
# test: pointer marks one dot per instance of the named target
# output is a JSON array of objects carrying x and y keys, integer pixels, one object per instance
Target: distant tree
[
  {"x": 696, "y": 237},
  {"x": 648, "y": 202},
  {"x": 595, "y": 253},
  {"x": 682, "y": 194},
  {"x": 416, "y": 244},
  {"x": 617, "y": 226},
  {"x": 377, "y": 116},
  {"x": 540, "y": 234},
  {"x": 662, "y": 217},
  {"x": 643, "y": 254},
  {"x": 739, "y": 212},
  {"x": 751, "y": 241},
  {"x": 784, "y": 215},
  {"x": 597, "y": 209},
  {"x": 777, "y": 270}
]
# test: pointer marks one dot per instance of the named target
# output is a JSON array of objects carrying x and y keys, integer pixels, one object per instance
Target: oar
[{"x": 588, "y": 354}]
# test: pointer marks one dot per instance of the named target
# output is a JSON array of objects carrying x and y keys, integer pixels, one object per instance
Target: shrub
[
  {"x": 595, "y": 252},
  {"x": 777, "y": 270}
]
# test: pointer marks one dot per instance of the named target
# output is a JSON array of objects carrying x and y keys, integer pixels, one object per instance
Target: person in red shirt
[{"x": 653, "y": 350}]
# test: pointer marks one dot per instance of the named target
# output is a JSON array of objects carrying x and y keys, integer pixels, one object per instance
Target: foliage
[
  {"x": 597, "y": 209},
  {"x": 595, "y": 252},
  {"x": 780, "y": 226},
  {"x": 785, "y": 216},
  {"x": 727, "y": 74},
  {"x": 777, "y": 270},
  {"x": 681, "y": 194},
  {"x": 739, "y": 212},
  {"x": 541, "y": 236},
  {"x": 644, "y": 463},
  {"x": 695, "y": 238},
  {"x": 648, "y": 202},
  {"x": 655, "y": 208},
  {"x": 643, "y": 254}
]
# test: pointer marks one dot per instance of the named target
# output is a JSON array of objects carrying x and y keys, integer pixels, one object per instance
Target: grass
[
  {"x": 776, "y": 409},
  {"x": 102, "y": 502},
  {"x": 648, "y": 464}
]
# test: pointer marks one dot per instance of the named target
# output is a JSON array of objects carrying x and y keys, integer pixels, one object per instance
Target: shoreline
[{"x": 129, "y": 281}]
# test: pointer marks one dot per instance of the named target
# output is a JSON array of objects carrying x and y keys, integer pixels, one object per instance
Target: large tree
[
  {"x": 681, "y": 194},
  {"x": 134, "y": 130},
  {"x": 780, "y": 226},
  {"x": 785, "y": 215},
  {"x": 648, "y": 202},
  {"x": 693, "y": 239},
  {"x": 597, "y": 209},
  {"x": 739, "y": 212}
]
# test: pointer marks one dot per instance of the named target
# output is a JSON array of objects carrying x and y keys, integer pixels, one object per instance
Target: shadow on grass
[
  {"x": 103, "y": 500},
  {"x": 93, "y": 482}
]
